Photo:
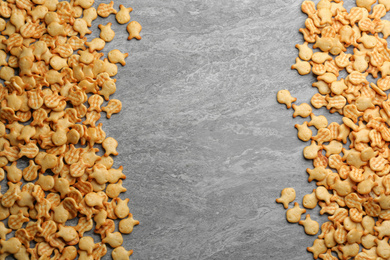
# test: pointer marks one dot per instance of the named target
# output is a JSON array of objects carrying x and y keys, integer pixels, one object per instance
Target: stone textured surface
[{"x": 205, "y": 146}]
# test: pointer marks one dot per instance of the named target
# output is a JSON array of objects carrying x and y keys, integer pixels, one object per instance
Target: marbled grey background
[{"x": 205, "y": 146}]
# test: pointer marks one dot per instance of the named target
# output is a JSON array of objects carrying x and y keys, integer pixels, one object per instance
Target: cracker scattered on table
[
  {"x": 357, "y": 175},
  {"x": 50, "y": 73}
]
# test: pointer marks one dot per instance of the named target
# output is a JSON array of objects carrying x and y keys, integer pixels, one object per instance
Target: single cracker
[
  {"x": 116, "y": 56},
  {"x": 120, "y": 253},
  {"x": 106, "y": 33},
  {"x": 304, "y": 132},
  {"x": 303, "y": 110},
  {"x": 284, "y": 97},
  {"x": 123, "y": 15},
  {"x": 288, "y": 195},
  {"x": 134, "y": 29},
  {"x": 310, "y": 200},
  {"x": 311, "y": 226},
  {"x": 294, "y": 215},
  {"x": 104, "y": 10},
  {"x": 303, "y": 67}
]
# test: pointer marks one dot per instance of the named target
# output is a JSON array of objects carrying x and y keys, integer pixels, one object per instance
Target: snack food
[
  {"x": 358, "y": 174},
  {"x": 304, "y": 132},
  {"x": 105, "y": 10},
  {"x": 311, "y": 226},
  {"x": 294, "y": 215},
  {"x": 284, "y": 97},
  {"x": 50, "y": 74},
  {"x": 107, "y": 34},
  {"x": 288, "y": 195},
  {"x": 134, "y": 29},
  {"x": 123, "y": 15},
  {"x": 120, "y": 253}
]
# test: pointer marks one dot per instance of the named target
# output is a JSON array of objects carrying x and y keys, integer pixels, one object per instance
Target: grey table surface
[{"x": 204, "y": 144}]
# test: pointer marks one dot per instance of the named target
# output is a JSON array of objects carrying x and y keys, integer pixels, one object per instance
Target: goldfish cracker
[
  {"x": 106, "y": 33},
  {"x": 96, "y": 44},
  {"x": 11, "y": 246},
  {"x": 89, "y": 15},
  {"x": 110, "y": 145},
  {"x": 116, "y": 56},
  {"x": 113, "y": 190},
  {"x": 105, "y": 10},
  {"x": 294, "y": 215},
  {"x": 120, "y": 253},
  {"x": 311, "y": 226},
  {"x": 114, "y": 239},
  {"x": 134, "y": 29},
  {"x": 303, "y": 67},
  {"x": 284, "y": 97},
  {"x": 114, "y": 106},
  {"x": 4, "y": 231},
  {"x": 304, "y": 132},
  {"x": 123, "y": 15},
  {"x": 87, "y": 244},
  {"x": 126, "y": 225},
  {"x": 318, "y": 248}
]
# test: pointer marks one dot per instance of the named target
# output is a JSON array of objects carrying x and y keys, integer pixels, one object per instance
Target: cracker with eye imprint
[
  {"x": 284, "y": 97},
  {"x": 288, "y": 195}
]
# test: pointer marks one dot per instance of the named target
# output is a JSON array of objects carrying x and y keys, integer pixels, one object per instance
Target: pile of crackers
[
  {"x": 351, "y": 160},
  {"x": 56, "y": 85}
]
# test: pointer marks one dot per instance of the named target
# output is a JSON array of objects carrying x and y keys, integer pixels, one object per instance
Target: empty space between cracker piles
[{"x": 205, "y": 130}]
